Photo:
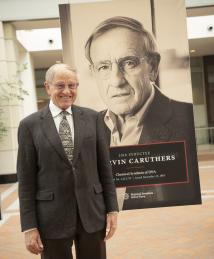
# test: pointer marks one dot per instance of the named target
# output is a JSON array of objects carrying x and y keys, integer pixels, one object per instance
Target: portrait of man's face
[{"x": 121, "y": 69}]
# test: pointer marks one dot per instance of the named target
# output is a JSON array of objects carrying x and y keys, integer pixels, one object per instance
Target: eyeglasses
[
  {"x": 127, "y": 65},
  {"x": 62, "y": 86}
]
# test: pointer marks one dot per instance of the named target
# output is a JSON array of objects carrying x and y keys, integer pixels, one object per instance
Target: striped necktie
[{"x": 66, "y": 136}]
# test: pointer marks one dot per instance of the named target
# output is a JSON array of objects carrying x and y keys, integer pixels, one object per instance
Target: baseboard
[{"x": 8, "y": 178}]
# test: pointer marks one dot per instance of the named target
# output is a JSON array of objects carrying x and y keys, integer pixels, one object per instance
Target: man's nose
[
  {"x": 117, "y": 78},
  {"x": 66, "y": 89}
]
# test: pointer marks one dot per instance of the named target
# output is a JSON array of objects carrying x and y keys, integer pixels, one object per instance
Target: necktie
[{"x": 66, "y": 136}]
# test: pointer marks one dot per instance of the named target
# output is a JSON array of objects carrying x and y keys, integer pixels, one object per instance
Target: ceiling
[
  {"x": 200, "y": 11},
  {"x": 36, "y": 24},
  {"x": 202, "y": 47},
  {"x": 45, "y": 59}
]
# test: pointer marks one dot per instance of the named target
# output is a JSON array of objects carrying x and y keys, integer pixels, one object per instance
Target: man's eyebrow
[
  {"x": 128, "y": 57},
  {"x": 103, "y": 61},
  {"x": 59, "y": 82},
  {"x": 123, "y": 58}
]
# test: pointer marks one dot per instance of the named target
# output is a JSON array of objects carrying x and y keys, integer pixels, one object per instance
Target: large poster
[{"x": 133, "y": 65}]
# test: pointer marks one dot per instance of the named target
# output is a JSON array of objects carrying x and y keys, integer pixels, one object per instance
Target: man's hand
[
  {"x": 111, "y": 225},
  {"x": 33, "y": 241}
]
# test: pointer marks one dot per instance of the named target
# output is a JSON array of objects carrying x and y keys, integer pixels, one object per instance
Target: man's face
[
  {"x": 63, "y": 88},
  {"x": 123, "y": 93}
]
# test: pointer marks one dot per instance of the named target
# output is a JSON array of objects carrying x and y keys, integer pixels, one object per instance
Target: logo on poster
[{"x": 126, "y": 196}]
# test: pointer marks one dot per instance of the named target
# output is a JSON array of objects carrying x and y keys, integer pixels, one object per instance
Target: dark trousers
[{"x": 87, "y": 246}]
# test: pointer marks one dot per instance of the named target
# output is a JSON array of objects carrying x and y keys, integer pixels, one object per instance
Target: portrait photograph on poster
[{"x": 133, "y": 67}]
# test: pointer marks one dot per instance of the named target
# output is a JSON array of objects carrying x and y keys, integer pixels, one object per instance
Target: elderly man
[
  {"x": 124, "y": 60},
  {"x": 66, "y": 189}
]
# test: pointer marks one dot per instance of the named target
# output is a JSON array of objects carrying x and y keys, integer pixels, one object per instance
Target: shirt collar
[
  {"x": 55, "y": 110},
  {"x": 110, "y": 117}
]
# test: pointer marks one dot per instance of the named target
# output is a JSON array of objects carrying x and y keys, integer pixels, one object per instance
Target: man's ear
[
  {"x": 47, "y": 87},
  {"x": 153, "y": 61}
]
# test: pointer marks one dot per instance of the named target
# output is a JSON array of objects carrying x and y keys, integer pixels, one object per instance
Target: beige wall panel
[
  {"x": 6, "y": 143},
  {"x": 2, "y": 49},
  {"x": 171, "y": 33},
  {"x": 14, "y": 132},
  {"x": 16, "y": 113},
  {"x": 6, "y": 115},
  {"x": 7, "y": 162}
]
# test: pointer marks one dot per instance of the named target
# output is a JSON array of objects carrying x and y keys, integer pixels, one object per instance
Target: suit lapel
[
  {"x": 79, "y": 127},
  {"x": 50, "y": 132},
  {"x": 155, "y": 123}
]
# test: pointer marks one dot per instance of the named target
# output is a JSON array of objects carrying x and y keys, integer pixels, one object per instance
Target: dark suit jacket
[
  {"x": 50, "y": 188},
  {"x": 168, "y": 120}
]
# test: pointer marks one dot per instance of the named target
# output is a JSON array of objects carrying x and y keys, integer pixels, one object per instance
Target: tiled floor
[{"x": 184, "y": 232}]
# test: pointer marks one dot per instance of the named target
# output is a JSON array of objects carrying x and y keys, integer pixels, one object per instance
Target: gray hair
[
  {"x": 52, "y": 70},
  {"x": 148, "y": 41}
]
